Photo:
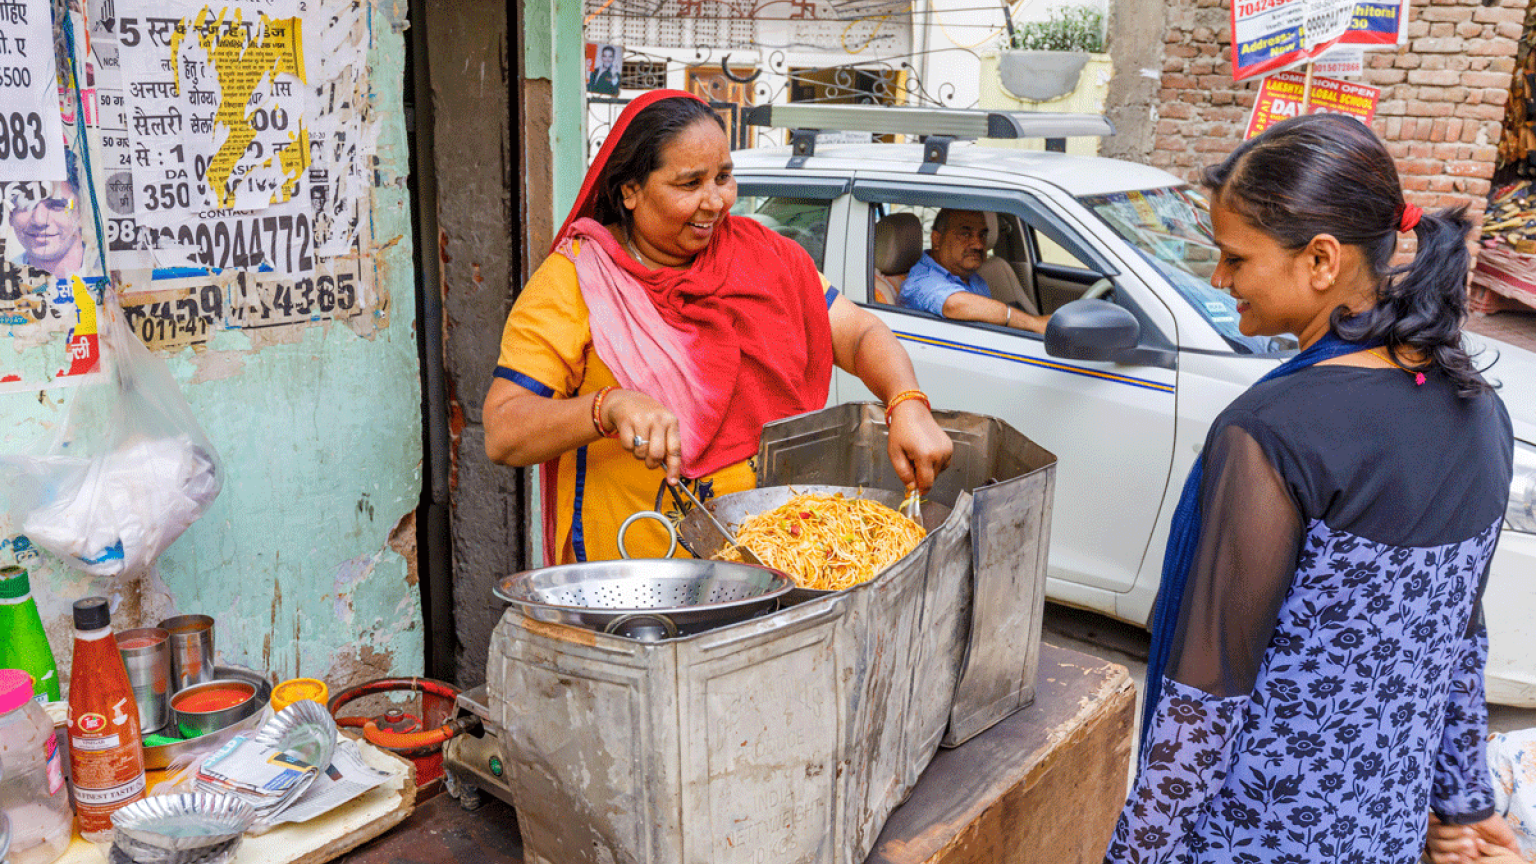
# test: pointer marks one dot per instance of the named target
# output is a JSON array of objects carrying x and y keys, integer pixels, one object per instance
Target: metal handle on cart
[
  {"x": 667, "y": 626},
  {"x": 649, "y": 514}
]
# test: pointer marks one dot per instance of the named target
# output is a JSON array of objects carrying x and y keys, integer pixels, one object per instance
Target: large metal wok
[{"x": 698, "y": 535}]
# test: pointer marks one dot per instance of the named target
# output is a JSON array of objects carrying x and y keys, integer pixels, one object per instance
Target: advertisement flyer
[
  {"x": 1280, "y": 99},
  {"x": 31, "y": 131},
  {"x": 1273, "y": 35},
  {"x": 216, "y": 123}
]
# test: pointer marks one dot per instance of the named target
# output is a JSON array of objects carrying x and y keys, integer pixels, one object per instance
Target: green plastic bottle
[{"x": 23, "y": 644}]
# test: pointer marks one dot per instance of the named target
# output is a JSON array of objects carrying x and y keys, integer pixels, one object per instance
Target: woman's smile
[{"x": 675, "y": 211}]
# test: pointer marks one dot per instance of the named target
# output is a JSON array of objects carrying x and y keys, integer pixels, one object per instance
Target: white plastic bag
[{"x": 128, "y": 470}]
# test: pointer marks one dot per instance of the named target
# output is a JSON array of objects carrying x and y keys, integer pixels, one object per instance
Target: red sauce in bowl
[{"x": 213, "y": 699}]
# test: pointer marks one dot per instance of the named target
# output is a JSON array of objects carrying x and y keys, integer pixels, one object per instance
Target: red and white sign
[
  {"x": 1273, "y": 35},
  {"x": 1280, "y": 99}
]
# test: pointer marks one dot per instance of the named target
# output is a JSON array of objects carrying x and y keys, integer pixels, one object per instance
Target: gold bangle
[{"x": 904, "y": 396}]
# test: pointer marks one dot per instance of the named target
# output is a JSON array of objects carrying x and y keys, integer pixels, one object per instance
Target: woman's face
[
  {"x": 676, "y": 209},
  {"x": 1273, "y": 285}
]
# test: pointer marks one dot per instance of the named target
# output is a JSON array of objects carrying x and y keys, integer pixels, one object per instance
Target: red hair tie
[{"x": 1408, "y": 216}]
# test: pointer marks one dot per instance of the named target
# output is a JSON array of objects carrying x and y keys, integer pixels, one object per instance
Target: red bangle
[
  {"x": 597, "y": 413},
  {"x": 904, "y": 396}
]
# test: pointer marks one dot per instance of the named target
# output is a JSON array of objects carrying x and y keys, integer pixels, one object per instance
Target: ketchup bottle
[{"x": 106, "y": 756}]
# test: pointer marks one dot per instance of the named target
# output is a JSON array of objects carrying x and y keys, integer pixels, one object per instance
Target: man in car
[{"x": 945, "y": 282}]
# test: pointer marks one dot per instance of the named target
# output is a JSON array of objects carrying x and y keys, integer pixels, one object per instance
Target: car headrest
[
  {"x": 993, "y": 235},
  {"x": 898, "y": 242}
]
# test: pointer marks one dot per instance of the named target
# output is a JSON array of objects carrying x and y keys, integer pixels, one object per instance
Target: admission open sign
[
  {"x": 1270, "y": 35},
  {"x": 1280, "y": 99}
]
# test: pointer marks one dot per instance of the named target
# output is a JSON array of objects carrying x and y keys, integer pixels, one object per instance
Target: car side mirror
[{"x": 1091, "y": 330}]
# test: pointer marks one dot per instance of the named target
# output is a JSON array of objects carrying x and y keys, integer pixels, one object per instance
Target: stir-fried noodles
[{"x": 828, "y": 542}]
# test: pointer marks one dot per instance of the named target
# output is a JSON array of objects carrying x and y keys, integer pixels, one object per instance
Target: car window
[
  {"x": 1171, "y": 228},
  {"x": 803, "y": 220},
  {"x": 1007, "y": 254}
]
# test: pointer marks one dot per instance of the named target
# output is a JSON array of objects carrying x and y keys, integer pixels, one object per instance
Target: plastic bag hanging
[{"x": 129, "y": 469}]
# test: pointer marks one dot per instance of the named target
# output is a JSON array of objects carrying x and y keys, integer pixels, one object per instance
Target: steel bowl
[
  {"x": 195, "y": 723},
  {"x": 161, "y": 755},
  {"x": 646, "y": 598}
]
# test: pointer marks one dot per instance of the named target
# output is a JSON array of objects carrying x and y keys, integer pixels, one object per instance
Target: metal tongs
[
  {"x": 912, "y": 506},
  {"x": 746, "y": 554}
]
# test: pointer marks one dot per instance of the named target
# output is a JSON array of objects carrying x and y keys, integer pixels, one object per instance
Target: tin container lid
[
  {"x": 14, "y": 583},
  {"x": 15, "y": 689},
  {"x": 294, "y": 689}
]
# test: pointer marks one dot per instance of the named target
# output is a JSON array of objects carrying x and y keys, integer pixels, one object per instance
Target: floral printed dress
[
  {"x": 1512, "y": 762},
  {"x": 1325, "y": 689}
]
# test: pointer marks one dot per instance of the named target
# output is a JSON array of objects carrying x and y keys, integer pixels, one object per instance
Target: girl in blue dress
[{"x": 1315, "y": 688}]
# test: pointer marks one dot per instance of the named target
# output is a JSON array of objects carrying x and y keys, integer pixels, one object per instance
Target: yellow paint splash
[{"x": 241, "y": 63}]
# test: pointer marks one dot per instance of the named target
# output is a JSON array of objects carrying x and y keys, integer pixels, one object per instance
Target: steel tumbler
[
  {"x": 191, "y": 650},
  {"x": 147, "y": 656}
]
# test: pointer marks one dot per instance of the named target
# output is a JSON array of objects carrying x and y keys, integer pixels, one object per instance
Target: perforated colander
[{"x": 645, "y": 598}]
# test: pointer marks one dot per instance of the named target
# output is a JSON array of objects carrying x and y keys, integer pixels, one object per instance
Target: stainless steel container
[
  {"x": 146, "y": 653},
  {"x": 191, "y": 722},
  {"x": 1012, "y": 481},
  {"x": 191, "y": 650},
  {"x": 789, "y": 737}
]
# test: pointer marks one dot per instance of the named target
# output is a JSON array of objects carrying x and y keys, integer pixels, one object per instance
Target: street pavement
[{"x": 1516, "y": 328}]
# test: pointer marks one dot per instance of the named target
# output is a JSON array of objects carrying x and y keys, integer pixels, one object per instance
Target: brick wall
[{"x": 1442, "y": 100}]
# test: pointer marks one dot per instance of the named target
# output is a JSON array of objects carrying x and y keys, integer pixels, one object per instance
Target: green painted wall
[{"x": 307, "y": 559}]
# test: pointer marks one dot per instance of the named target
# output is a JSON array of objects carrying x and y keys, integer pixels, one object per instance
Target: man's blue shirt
[{"x": 928, "y": 285}]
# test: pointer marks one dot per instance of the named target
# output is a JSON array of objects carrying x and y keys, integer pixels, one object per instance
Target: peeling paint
[{"x": 402, "y": 539}]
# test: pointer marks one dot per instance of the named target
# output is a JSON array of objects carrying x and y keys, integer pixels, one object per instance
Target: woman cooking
[{"x": 661, "y": 335}]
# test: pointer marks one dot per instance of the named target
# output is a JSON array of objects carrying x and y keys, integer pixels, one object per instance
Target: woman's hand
[
  {"x": 1489, "y": 840},
  {"x": 647, "y": 429},
  {"x": 1492, "y": 854},
  {"x": 918, "y": 448}
]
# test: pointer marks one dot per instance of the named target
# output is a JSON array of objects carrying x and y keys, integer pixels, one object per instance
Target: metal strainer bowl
[{"x": 645, "y": 598}]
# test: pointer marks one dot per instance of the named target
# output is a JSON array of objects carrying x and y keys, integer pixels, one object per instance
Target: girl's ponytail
[
  {"x": 1421, "y": 305},
  {"x": 1329, "y": 174}
]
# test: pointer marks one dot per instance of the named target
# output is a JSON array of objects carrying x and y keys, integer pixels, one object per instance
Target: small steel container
[
  {"x": 146, "y": 654},
  {"x": 194, "y": 723}
]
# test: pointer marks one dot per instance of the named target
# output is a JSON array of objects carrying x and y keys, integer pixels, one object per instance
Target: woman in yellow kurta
[{"x": 662, "y": 335}]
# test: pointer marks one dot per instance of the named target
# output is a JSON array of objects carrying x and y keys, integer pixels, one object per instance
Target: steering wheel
[{"x": 1098, "y": 289}]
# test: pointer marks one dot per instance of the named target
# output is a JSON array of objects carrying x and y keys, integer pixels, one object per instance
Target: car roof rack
[{"x": 937, "y": 126}]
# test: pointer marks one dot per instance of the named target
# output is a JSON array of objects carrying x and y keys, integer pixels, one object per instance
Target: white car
[{"x": 1128, "y": 385}]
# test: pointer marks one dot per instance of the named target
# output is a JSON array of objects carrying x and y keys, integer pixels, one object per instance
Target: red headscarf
[{"x": 739, "y": 338}]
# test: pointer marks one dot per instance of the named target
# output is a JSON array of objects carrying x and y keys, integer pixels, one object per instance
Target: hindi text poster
[
  {"x": 31, "y": 129},
  {"x": 220, "y": 154}
]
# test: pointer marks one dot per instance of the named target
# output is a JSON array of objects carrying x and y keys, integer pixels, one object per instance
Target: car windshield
[{"x": 1172, "y": 228}]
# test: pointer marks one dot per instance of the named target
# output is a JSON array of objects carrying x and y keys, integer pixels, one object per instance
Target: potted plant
[{"x": 1042, "y": 59}]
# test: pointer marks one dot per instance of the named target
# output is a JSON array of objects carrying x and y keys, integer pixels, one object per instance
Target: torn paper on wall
[{"x": 31, "y": 132}]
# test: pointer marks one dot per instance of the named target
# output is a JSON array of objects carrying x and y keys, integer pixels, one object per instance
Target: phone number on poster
[{"x": 283, "y": 243}]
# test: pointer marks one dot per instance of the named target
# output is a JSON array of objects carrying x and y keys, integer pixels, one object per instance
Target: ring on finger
[{"x": 640, "y": 442}]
